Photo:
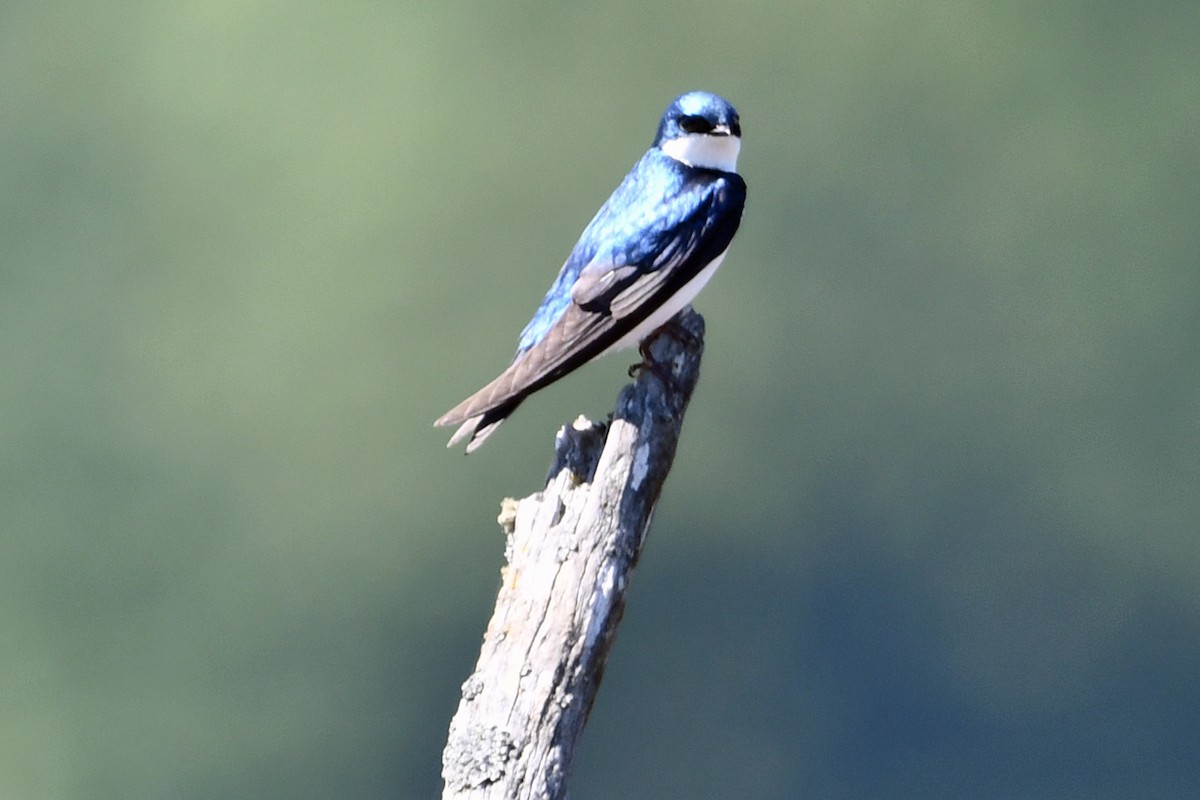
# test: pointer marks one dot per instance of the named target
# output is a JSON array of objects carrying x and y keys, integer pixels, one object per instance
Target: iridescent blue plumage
[
  {"x": 641, "y": 259},
  {"x": 655, "y": 211}
]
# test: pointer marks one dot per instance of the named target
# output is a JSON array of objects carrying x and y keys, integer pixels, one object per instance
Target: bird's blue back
[{"x": 660, "y": 210}]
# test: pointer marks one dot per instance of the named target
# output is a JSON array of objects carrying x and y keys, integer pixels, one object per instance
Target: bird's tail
[{"x": 478, "y": 428}]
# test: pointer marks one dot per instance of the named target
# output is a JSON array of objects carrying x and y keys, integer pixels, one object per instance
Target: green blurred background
[{"x": 932, "y": 529}]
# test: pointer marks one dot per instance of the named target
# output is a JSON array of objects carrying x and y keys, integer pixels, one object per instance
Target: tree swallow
[{"x": 641, "y": 260}]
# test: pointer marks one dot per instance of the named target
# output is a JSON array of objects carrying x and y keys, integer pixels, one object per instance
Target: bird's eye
[{"x": 695, "y": 124}]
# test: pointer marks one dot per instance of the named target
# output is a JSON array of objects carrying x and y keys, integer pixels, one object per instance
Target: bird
[{"x": 642, "y": 259}]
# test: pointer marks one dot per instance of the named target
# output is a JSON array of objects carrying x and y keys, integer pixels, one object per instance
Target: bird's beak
[{"x": 721, "y": 130}]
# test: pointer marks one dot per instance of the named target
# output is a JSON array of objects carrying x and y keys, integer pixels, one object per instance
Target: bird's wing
[
  {"x": 620, "y": 287},
  {"x": 663, "y": 260}
]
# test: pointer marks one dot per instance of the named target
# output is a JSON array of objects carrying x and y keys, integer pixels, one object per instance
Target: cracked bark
[{"x": 570, "y": 551}]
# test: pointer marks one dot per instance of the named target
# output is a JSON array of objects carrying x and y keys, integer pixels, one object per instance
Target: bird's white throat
[{"x": 705, "y": 150}]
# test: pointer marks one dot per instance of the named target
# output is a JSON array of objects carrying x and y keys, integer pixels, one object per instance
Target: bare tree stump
[{"x": 571, "y": 550}]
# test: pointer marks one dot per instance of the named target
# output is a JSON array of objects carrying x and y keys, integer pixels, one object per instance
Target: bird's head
[{"x": 701, "y": 130}]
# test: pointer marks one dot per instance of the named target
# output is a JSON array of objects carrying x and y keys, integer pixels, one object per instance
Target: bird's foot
[{"x": 676, "y": 332}]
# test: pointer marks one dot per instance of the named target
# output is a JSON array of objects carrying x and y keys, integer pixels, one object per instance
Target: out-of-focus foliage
[{"x": 932, "y": 531}]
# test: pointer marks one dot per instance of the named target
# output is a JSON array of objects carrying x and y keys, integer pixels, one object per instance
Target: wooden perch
[{"x": 571, "y": 550}]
